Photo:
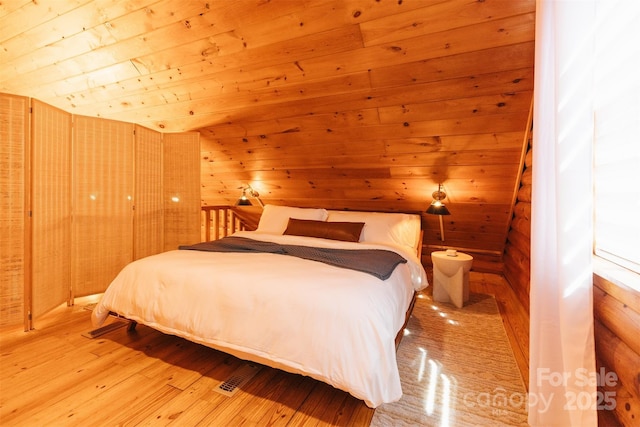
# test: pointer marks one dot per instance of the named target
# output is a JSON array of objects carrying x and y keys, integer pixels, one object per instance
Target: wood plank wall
[
  {"x": 379, "y": 133},
  {"x": 617, "y": 323},
  {"x": 344, "y": 104},
  {"x": 517, "y": 253}
]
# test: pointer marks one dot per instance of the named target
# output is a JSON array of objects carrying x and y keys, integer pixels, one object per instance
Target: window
[{"x": 617, "y": 133}]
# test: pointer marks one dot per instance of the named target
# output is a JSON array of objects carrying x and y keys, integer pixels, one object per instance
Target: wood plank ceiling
[{"x": 358, "y": 104}]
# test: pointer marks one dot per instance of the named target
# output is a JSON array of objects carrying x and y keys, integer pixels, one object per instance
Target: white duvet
[{"x": 333, "y": 324}]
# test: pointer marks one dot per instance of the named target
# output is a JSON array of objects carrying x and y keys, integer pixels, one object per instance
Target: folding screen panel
[
  {"x": 181, "y": 189},
  {"x": 148, "y": 227},
  {"x": 102, "y": 230},
  {"x": 51, "y": 207},
  {"x": 14, "y": 227},
  {"x": 69, "y": 185}
]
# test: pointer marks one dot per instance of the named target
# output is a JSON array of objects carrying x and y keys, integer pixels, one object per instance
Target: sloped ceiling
[{"x": 358, "y": 104}]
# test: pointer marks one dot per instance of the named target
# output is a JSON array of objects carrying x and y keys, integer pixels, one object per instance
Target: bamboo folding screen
[
  {"x": 102, "y": 229},
  {"x": 14, "y": 151},
  {"x": 81, "y": 198},
  {"x": 50, "y": 206},
  {"x": 181, "y": 202},
  {"x": 148, "y": 238}
]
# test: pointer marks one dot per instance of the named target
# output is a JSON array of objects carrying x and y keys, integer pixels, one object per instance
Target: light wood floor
[{"x": 55, "y": 376}]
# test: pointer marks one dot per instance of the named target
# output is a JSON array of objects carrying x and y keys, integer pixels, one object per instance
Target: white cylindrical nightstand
[{"x": 451, "y": 277}]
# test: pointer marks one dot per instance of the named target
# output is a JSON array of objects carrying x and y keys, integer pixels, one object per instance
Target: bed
[{"x": 299, "y": 314}]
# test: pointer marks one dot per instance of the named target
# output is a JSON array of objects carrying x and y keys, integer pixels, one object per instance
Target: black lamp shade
[
  {"x": 243, "y": 201},
  {"x": 438, "y": 210}
]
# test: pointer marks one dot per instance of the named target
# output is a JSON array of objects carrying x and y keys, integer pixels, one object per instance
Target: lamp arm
[{"x": 253, "y": 193}]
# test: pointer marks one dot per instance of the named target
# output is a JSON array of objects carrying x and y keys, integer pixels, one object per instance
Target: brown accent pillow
[{"x": 345, "y": 231}]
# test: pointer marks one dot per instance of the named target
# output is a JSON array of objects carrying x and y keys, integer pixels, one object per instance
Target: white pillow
[
  {"x": 381, "y": 227},
  {"x": 275, "y": 218}
]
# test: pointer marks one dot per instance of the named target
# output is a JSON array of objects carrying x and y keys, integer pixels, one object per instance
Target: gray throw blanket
[{"x": 377, "y": 262}]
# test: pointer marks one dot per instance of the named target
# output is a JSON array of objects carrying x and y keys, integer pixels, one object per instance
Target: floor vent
[{"x": 237, "y": 379}]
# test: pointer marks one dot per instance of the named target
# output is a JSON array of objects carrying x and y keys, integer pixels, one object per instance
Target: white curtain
[{"x": 562, "y": 390}]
